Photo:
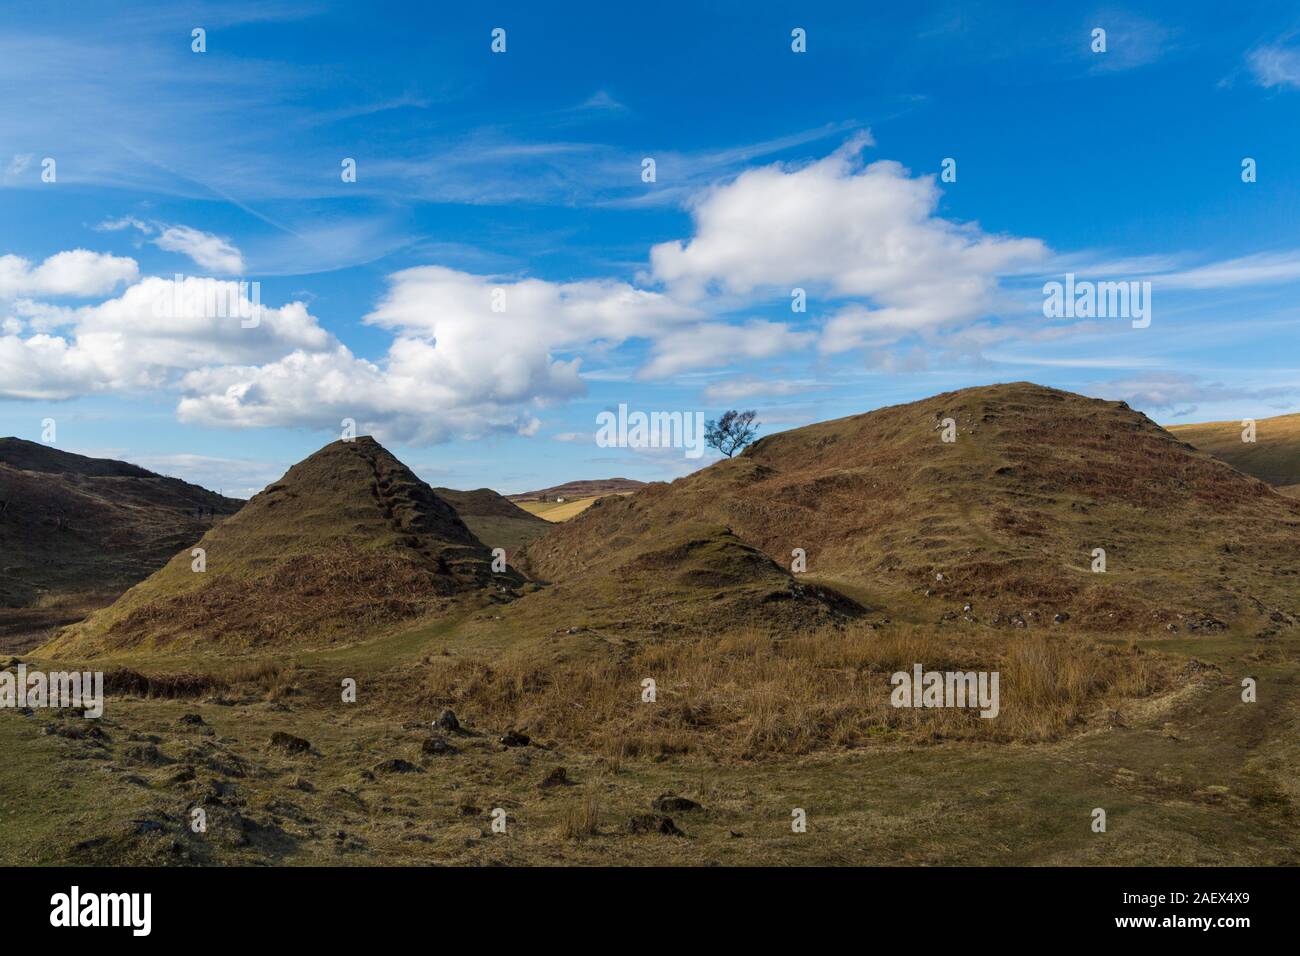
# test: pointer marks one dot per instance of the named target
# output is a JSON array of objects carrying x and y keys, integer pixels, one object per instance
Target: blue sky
[{"x": 522, "y": 171}]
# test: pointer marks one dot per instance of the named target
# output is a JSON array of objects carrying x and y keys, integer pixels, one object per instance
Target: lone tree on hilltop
[{"x": 732, "y": 432}]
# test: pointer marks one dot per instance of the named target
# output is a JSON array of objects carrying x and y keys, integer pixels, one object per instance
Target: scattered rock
[
  {"x": 559, "y": 777},
  {"x": 396, "y": 765},
  {"x": 653, "y": 823},
  {"x": 437, "y": 747},
  {"x": 289, "y": 743},
  {"x": 671, "y": 803}
]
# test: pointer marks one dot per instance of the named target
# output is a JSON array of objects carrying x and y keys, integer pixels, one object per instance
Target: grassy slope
[
  {"x": 757, "y": 714},
  {"x": 495, "y": 520},
  {"x": 1273, "y": 457},
  {"x": 1008, "y": 515},
  {"x": 75, "y": 532},
  {"x": 348, "y": 543},
  {"x": 1191, "y": 777}
]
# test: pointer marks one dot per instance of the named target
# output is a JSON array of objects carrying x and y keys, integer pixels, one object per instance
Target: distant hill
[
  {"x": 76, "y": 531},
  {"x": 592, "y": 488},
  {"x": 1273, "y": 457},
  {"x": 495, "y": 520},
  {"x": 347, "y": 543},
  {"x": 565, "y": 501},
  {"x": 1004, "y": 519}
]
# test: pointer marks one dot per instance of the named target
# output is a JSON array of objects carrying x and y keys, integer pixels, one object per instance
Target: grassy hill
[
  {"x": 494, "y": 519},
  {"x": 76, "y": 531},
  {"x": 347, "y": 543},
  {"x": 1273, "y": 457},
  {"x": 562, "y": 502},
  {"x": 587, "y": 488},
  {"x": 772, "y": 688},
  {"x": 1005, "y": 518}
]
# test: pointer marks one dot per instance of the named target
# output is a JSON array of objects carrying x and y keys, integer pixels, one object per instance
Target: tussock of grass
[
  {"x": 747, "y": 695},
  {"x": 581, "y": 818}
]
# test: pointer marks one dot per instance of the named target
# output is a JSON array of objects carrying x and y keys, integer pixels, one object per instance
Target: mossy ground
[{"x": 1188, "y": 774}]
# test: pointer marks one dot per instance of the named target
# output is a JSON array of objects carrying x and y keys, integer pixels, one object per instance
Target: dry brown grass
[
  {"x": 580, "y": 818},
  {"x": 748, "y": 695}
]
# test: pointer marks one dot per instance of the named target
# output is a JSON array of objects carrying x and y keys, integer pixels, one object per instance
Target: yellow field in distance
[{"x": 558, "y": 510}]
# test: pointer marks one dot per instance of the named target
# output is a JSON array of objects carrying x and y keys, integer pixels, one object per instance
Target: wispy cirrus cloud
[
  {"x": 1166, "y": 390},
  {"x": 1275, "y": 66},
  {"x": 212, "y": 253}
]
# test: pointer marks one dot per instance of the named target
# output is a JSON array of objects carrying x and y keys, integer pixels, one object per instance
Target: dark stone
[
  {"x": 437, "y": 747},
  {"x": 289, "y": 743},
  {"x": 513, "y": 738},
  {"x": 396, "y": 765},
  {"x": 447, "y": 721},
  {"x": 653, "y": 823},
  {"x": 559, "y": 777},
  {"x": 671, "y": 803},
  {"x": 192, "y": 720}
]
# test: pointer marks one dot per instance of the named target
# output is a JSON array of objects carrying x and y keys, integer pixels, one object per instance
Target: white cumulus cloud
[
  {"x": 145, "y": 338},
  {"x": 78, "y": 272},
  {"x": 866, "y": 233}
]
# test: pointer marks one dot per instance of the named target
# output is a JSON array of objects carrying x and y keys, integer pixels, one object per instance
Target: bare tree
[{"x": 732, "y": 432}]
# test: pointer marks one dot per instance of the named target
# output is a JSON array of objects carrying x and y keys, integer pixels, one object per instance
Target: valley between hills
[{"x": 768, "y": 597}]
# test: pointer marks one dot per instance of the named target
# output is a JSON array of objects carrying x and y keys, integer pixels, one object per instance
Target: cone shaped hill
[
  {"x": 1005, "y": 518},
  {"x": 347, "y": 543},
  {"x": 76, "y": 531}
]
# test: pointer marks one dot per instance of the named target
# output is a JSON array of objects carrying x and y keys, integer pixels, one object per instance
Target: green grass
[{"x": 1197, "y": 778}]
